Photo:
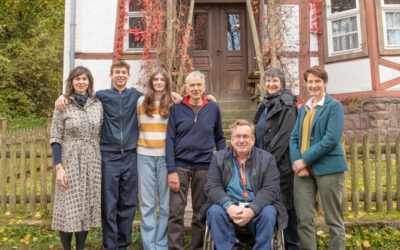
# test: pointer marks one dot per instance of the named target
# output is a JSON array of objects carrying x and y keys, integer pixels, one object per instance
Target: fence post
[
  {"x": 33, "y": 170},
  {"x": 388, "y": 153},
  {"x": 378, "y": 173},
  {"x": 13, "y": 174},
  {"x": 23, "y": 174},
  {"x": 43, "y": 173},
  {"x": 344, "y": 198},
  {"x": 3, "y": 127},
  {"x": 366, "y": 175},
  {"x": 398, "y": 172},
  {"x": 3, "y": 177},
  {"x": 354, "y": 176}
]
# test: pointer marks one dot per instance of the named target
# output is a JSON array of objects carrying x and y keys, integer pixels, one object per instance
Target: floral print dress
[{"x": 78, "y": 207}]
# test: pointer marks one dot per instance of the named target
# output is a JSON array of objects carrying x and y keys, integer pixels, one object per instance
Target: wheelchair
[{"x": 245, "y": 240}]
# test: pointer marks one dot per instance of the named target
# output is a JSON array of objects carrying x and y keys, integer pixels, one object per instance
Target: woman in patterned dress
[{"x": 76, "y": 156}]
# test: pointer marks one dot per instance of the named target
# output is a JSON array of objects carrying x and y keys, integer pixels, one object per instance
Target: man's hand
[
  {"x": 176, "y": 98},
  {"x": 61, "y": 103},
  {"x": 234, "y": 212},
  {"x": 61, "y": 177},
  {"x": 245, "y": 217},
  {"x": 211, "y": 98},
  {"x": 299, "y": 165},
  {"x": 173, "y": 181}
]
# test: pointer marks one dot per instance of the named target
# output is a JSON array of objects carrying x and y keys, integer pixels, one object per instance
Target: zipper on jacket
[{"x": 120, "y": 118}]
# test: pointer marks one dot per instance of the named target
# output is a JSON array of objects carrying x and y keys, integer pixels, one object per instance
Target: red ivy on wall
[
  {"x": 315, "y": 6},
  {"x": 122, "y": 18}
]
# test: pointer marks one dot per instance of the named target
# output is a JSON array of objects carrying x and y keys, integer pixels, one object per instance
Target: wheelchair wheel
[{"x": 208, "y": 243}]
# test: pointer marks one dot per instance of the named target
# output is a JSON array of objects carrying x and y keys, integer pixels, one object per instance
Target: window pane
[
  {"x": 393, "y": 28},
  {"x": 342, "y": 5},
  {"x": 345, "y": 34},
  {"x": 392, "y": 1},
  {"x": 233, "y": 34},
  {"x": 134, "y": 5},
  {"x": 393, "y": 19},
  {"x": 135, "y": 36},
  {"x": 200, "y": 31}
]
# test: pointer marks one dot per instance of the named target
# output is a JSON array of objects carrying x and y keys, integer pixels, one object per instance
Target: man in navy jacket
[{"x": 194, "y": 133}]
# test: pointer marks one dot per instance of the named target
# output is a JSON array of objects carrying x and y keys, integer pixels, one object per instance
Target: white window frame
[
  {"x": 338, "y": 16},
  {"x": 131, "y": 14},
  {"x": 388, "y": 8}
]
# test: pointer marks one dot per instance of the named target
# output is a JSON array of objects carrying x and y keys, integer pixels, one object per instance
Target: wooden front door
[{"x": 219, "y": 49}]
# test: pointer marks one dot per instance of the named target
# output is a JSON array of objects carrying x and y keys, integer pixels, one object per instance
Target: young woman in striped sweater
[{"x": 153, "y": 111}]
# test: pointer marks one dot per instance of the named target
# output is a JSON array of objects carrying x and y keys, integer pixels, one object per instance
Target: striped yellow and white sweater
[{"x": 151, "y": 131}]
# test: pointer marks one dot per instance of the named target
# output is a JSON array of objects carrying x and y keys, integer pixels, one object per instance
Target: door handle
[{"x": 219, "y": 52}]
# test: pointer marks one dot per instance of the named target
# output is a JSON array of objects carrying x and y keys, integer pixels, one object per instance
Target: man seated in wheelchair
[{"x": 243, "y": 190}]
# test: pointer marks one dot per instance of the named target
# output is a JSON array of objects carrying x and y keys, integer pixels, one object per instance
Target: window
[
  {"x": 135, "y": 28},
  {"x": 343, "y": 27},
  {"x": 391, "y": 23}
]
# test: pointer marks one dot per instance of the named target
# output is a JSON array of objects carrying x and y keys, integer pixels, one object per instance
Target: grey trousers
[
  {"x": 330, "y": 188},
  {"x": 177, "y": 203}
]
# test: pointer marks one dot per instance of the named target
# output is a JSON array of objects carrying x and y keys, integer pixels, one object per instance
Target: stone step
[
  {"x": 237, "y": 104},
  {"x": 247, "y": 114}
]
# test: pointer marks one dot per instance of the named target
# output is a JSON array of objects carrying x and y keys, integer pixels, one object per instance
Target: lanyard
[{"x": 242, "y": 167}]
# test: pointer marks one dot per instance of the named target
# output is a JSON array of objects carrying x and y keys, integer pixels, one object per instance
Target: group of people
[{"x": 117, "y": 146}]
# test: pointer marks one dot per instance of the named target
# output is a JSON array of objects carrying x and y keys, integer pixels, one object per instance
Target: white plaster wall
[
  {"x": 395, "y": 59},
  {"x": 291, "y": 66},
  {"x": 101, "y": 72},
  {"x": 347, "y": 77},
  {"x": 386, "y": 74},
  {"x": 95, "y": 27},
  {"x": 66, "y": 40},
  {"x": 94, "y": 33},
  {"x": 291, "y": 39},
  {"x": 314, "y": 61}
]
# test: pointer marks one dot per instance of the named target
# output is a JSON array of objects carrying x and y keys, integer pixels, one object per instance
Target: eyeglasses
[{"x": 244, "y": 137}]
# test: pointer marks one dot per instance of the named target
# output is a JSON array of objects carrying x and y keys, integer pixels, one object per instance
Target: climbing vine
[
  {"x": 153, "y": 34},
  {"x": 316, "y": 6}
]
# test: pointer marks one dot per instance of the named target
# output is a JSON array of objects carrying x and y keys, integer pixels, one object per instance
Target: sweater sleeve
[
  {"x": 219, "y": 132},
  {"x": 56, "y": 150},
  {"x": 170, "y": 142},
  {"x": 294, "y": 144}
]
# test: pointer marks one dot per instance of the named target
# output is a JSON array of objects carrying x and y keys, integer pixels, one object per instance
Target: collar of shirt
[{"x": 310, "y": 101}]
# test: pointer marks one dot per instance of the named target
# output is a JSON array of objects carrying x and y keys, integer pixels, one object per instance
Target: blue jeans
[
  {"x": 153, "y": 184},
  {"x": 223, "y": 229},
  {"x": 118, "y": 197}
]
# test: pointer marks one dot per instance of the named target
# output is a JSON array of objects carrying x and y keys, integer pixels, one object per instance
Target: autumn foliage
[{"x": 155, "y": 35}]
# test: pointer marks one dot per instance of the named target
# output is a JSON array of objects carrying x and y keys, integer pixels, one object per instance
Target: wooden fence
[
  {"x": 25, "y": 169},
  {"x": 27, "y": 177}
]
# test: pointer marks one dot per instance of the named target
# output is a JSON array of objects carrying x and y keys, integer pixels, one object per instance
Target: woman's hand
[
  {"x": 298, "y": 166},
  {"x": 61, "y": 177},
  {"x": 302, "y": 173}
]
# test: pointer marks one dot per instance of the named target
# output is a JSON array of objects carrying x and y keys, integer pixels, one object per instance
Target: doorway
[{"x": 220, "y": 49}]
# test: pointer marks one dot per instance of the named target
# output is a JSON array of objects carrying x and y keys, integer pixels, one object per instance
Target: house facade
[{"x": 357, "y": 41}]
